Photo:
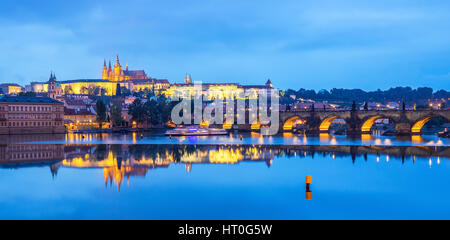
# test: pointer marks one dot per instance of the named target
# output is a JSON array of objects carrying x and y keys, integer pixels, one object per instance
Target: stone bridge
[{"x": 407, "y": 122}]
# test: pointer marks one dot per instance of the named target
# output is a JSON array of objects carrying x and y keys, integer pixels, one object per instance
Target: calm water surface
[
  {"x": 253, "y": 138},
  {"x": 154, "y": 177}
]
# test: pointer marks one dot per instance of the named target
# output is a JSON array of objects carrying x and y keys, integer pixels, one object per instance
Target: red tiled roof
[
  {"x": 74, "y": 102},
  {"x": 68, "y": 111}
]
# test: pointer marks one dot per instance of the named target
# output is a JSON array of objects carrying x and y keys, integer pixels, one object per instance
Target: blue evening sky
[{"x": 309, "y": 44}]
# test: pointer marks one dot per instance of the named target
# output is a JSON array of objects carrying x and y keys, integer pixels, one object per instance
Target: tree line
[
  {"x": 155, "y": 111},
  {"x": 398, "y": 94}
]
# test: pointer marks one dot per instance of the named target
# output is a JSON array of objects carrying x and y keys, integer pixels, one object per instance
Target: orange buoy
[
  {"x": 308, "y": 191},
  {"x": 308, "y": 179},
  {"x": 308, "y": 195}
]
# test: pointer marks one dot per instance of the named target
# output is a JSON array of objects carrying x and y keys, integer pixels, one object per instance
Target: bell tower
[
  {"x": 105, "y": 71},
  {"x": 52, "y": 86},
  {"x": 187, "y": 79},
  {"x": 117, "y": 71}
]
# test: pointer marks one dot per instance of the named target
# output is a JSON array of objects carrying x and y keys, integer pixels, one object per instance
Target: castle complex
[
  {"x": 215, "y": 90},
  {"x": 117, "y": 74},
  {"x": 112, "y": 78}
]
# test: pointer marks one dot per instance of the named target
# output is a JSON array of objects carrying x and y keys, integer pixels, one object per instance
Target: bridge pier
[
  {"x": 403, "y": 129},
  {"x": 354, "y": 125},
  {"x": 313, "y": 126}
]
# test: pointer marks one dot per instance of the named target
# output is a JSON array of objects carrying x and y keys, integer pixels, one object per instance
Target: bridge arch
[
  {"x": 368, "y": 122},
  {"x": 289, "y": 124},
  {"x": 418, "y": 125},
  {"x": 324, "y": 126}
]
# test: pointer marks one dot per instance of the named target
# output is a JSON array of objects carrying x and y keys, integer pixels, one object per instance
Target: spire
[
  {"x": 127, "y": 67},
  {"x": 109, "y": 68},
  {"x": 117, "y": 60},
  {"x": 52, "y": 77},
  {"x": 105, "y": 74},
  {"x": 187, "y": 79}
]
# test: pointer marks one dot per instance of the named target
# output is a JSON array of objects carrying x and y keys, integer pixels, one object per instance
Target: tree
[
  {"x": 116, "y": 114},
  {"x": 137, "y": 111},
  {"x": 165, "y": 107},
  {"x": 153, "y": 112},
  {"x": 27, "y": 94},
  {"x": 101, "y": 112}
]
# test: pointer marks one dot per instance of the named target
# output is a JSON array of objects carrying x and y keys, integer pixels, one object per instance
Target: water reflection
[
  {"x": 121, "y": 162},
  {"x": 232, "y": 138}
]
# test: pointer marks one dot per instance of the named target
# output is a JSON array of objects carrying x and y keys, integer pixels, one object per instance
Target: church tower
[
  {"x": 52, "y": 86},
  {"x": 105, "y": 71},
  {"x": 109, "y": 70},
  {"x": 187, "y": 79},
  {"x": 117, "y": 71}
]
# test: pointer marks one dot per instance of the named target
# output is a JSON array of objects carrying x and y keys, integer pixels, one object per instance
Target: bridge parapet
[{"x": 406, "y": 122}]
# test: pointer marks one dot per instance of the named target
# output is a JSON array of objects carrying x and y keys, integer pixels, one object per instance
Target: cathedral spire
[
  {"x": 117, "y": 60},
  {"x": 127, "y": 67},
  {"x": 187, "y": 79},
  {"x": 105, "y": 74}
]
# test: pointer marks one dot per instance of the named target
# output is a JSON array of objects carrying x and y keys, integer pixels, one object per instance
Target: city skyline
[{"x": 343, "y": 45}]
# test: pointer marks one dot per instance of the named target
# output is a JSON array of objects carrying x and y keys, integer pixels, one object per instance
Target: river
[{"x": 238, "y": 176}]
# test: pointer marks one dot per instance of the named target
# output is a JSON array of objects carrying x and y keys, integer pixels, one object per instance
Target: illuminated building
[
  {"x": 20, "y": 115},
  {"x": 112, "y": 78},
  {"x": 10, "y": 88},
  {"x": 81, "y": 86},
  {"x": 55, "y": 90},
  {"x": 117, "y": 74},
  {"x": 215, "y": 90},
  {"x": 80, "y": 119}
]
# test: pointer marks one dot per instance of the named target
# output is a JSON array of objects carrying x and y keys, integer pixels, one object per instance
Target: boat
[
  {"x": 444, "y": 134},
  {"x": 195, "y": 131}
]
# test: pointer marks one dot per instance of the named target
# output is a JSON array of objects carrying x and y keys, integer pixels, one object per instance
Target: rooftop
[
  {"x": 68, "y": 111},
  {"x": 23, "y": 99},
  {"x": 9, "y": 84},
  {"x": 73, "y": 81},
  {"x": 135, "y": 73}
]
